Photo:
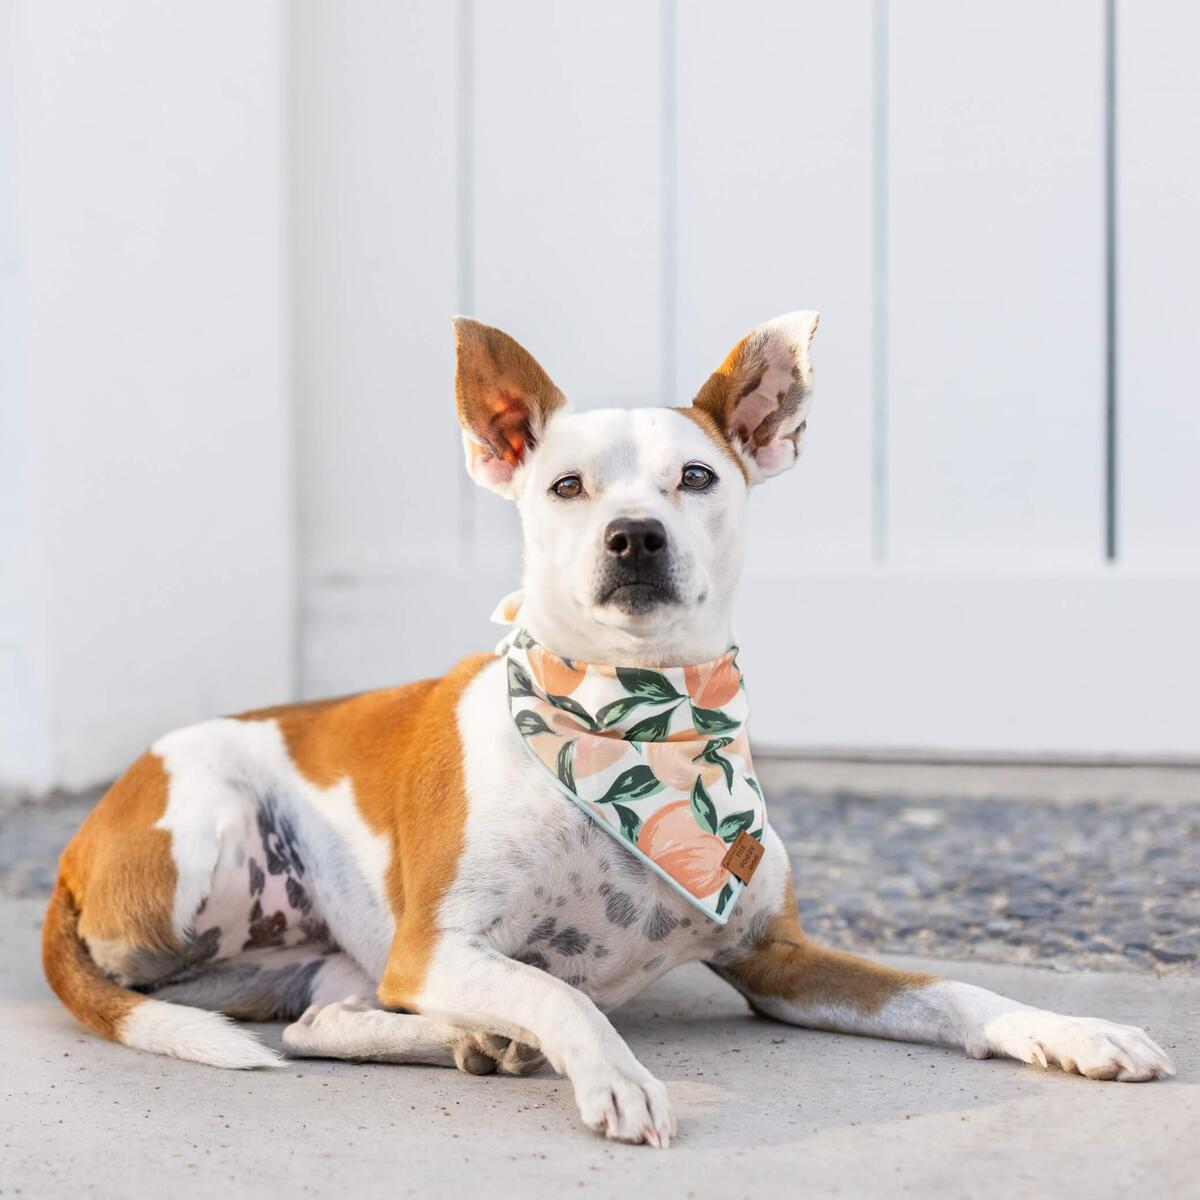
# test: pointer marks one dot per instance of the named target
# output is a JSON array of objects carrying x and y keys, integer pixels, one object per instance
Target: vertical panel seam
[
  {"x": 1110, "y": 280},
  {"x": 879, "y": 264},
  {"x": 465, "y": 232},
  {"x": 669, "y": 116}
]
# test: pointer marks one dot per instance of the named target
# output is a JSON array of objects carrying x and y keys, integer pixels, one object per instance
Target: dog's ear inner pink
[
  {"x": 504, "y": 400},
  {"x": 757, "y": 399}
]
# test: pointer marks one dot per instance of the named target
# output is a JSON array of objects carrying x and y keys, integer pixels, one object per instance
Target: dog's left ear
[
  {"x": 504, "y": 402},
  {"x": 757, "y": 399}
]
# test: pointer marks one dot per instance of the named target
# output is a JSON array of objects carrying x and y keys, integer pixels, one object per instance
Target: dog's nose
[{"x": 631, "y": 539}]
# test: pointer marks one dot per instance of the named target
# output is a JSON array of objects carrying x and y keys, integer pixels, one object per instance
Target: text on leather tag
[{"x": 743, "y": 856}]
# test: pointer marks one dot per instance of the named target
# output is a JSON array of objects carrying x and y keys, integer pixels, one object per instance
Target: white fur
[
  {"x": 340, "y": 976},
  {"x": 631, "y": 463},
  {"x": 192, "y": 1034},
  {"x": 985, "y": 1024},
  {"x": 357, "y": 1028},
  {"x": 219, "y": 773},
  {"x": 616, "y": 1095}
]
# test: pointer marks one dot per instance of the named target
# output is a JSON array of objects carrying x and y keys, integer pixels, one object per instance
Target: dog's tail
[{"x": 125, "y": 1016}]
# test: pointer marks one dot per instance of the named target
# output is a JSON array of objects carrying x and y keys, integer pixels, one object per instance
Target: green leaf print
[
  {"x": 703, "y": 808},
  {"x": 631, "y": 823},
  {"x": 529, "y": 723},
  {"x": 636, "y": 783},
  {"x": 711, "y": 720},
  {"x": 651, "y": 729},
  {"x": 724, "y": 898},
  {"x": 618, "y": 710},
  {"x": 574, "y": 708},
  {"x": 733, "y": 824},
  {"x": 519, "y": 683},
  {"x": 754, "y": 784},
  {"x": 522, "y": 640},
  {"x": 756, "y": 834},
  {"x": 649, "y": 685},
  {"x": 566, "y": 765},
  {"x": 711, "y": 754}
]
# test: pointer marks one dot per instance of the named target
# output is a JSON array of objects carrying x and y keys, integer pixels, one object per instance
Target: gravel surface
[
  {"x": 1102, "y": 885},
  {"x": 1112, "y": 885}
]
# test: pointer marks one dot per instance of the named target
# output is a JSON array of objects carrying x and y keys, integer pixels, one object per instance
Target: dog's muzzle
[{"x": 636, "y": 573}]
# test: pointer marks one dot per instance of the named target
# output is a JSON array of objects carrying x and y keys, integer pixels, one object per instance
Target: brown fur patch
[
  {"x": 91, "y": 998},
  {"x": 118, "y": 868},
  {"x": 401, "y": 750},
  {"x": 786, "y": 965},
  {"x": 716, "y": 434},
  {"x": 504, "y": 396},
  {"x": 116, "y": 886}
]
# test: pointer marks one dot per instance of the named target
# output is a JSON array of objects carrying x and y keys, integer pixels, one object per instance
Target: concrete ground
[
  {"x": 764, "y": 1110},
  {"x": 992, "y": 874}
]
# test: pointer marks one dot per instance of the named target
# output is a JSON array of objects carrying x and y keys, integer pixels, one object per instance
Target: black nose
[{"x": 632, "y": 539}]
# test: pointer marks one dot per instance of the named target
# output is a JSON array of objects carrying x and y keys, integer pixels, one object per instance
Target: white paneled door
[
  {"x": 995, "y": 284},
  {"x": 992, "y": 205}
]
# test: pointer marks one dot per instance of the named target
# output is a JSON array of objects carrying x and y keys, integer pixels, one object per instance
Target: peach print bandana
[{"x": 657, "y": 757}]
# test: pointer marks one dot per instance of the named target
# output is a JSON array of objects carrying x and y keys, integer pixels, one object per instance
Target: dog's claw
[{"x": 625, "y": 1105}]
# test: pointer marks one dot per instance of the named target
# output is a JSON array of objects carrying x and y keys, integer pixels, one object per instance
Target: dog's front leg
[
  {"x": 787, "y": 977},
  {"x": 470, "y": 984}
]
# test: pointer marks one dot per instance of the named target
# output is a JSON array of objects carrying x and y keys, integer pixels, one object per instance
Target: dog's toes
[
  {"x": 521, "y": 1059},
  {"x": 472, "y": 1055},
  {"x": 626, "y": 1106},
  {"x": 503, "y": 1054},
  {"x": 1080, "y": 1045}
]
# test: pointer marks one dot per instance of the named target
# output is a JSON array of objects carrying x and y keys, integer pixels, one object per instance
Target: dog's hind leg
[
  {"x": 269, "y": 984},
  {"x": 356, "y": 1028},
  {"x": 785, "y": 976}
]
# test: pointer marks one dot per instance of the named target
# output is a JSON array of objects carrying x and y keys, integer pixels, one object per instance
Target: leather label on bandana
[{"x": 744, "y": 856}]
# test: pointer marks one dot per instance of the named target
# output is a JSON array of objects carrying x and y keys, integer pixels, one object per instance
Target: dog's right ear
[
  {"x": 504, "y": 402},
  {"x": 757, "y": 399}
]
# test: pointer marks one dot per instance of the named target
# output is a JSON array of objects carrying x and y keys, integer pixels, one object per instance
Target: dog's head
[{"x": 633, "y": 519}]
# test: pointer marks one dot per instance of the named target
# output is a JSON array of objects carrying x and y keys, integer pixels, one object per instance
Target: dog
[{"x": 398, "y": 877}]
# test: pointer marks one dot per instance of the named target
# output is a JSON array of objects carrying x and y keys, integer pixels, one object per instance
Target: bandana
[{"x": 657, "y": 757}]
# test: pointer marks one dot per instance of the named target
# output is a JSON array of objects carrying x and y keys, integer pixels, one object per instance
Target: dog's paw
[
  {"x": 1085, "y": 1045},
  {"x": 473, "y": 1055},
  {"x": 625, "y": 1104},
  {"x": 514, "y": 1058},
  {"x": 484, "y": 1053}
]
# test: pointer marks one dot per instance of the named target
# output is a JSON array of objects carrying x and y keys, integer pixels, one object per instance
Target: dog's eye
[
  {"x": 567, "y": 486},
  {"x": 697, "y": 477}
]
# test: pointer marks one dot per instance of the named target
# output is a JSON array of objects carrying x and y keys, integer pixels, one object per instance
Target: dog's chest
[
  {"x": 544, "y": 884},
  {"x": 555, "y": 891}
]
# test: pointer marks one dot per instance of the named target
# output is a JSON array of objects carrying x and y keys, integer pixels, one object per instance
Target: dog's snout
[{"x": 632, "y": 539}]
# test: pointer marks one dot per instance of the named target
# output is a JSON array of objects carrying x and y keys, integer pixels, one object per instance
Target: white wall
[
  {"x": 147, "y": 563},
  {"x": 626, "y": 188},
  {"x": 633, "y": 186},
  {"x": 1158, "y": 265}
]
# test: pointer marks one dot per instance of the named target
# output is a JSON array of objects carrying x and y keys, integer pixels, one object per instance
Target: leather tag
[{"x": 743, "y": 856}]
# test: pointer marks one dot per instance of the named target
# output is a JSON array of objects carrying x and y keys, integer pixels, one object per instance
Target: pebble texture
[{"x": 1108, "y": 885}]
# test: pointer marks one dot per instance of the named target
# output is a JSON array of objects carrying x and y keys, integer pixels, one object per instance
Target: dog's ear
[
  {"x": 757, "y": 399},
  {"x": 504, "y": 402}
]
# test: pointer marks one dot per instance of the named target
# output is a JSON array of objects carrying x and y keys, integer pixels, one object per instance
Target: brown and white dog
[{"x": 403, "y": 846}]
